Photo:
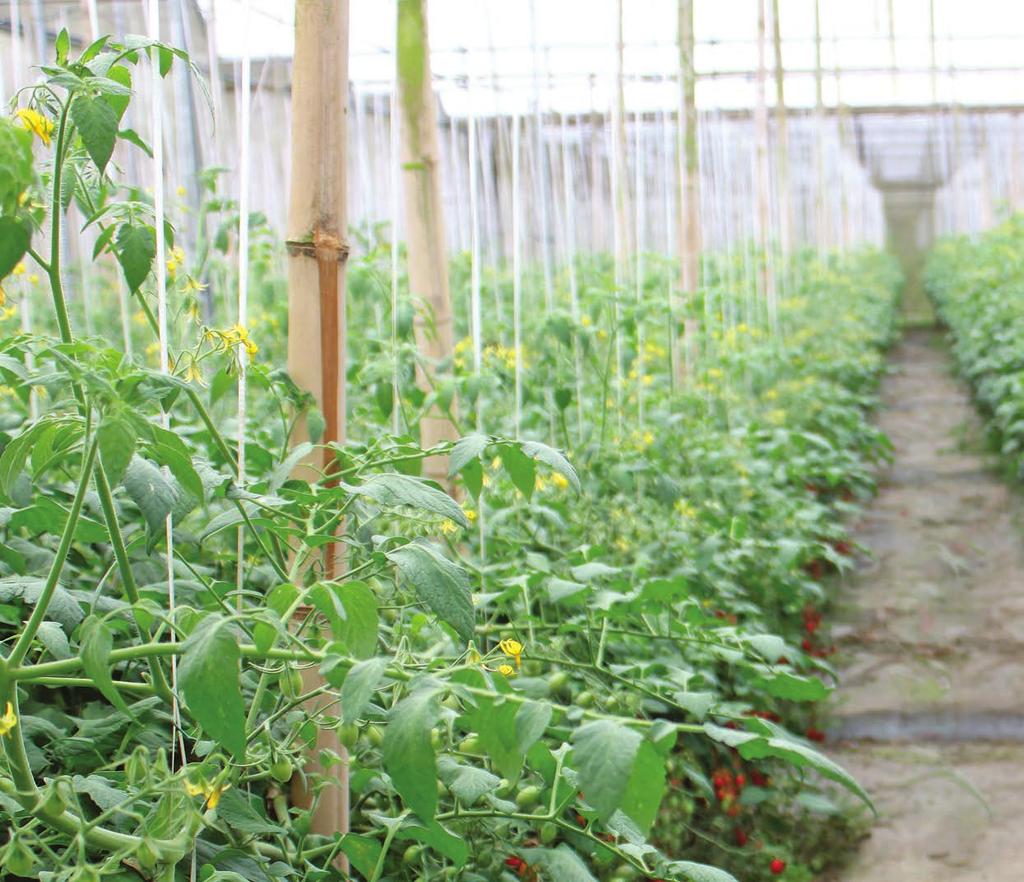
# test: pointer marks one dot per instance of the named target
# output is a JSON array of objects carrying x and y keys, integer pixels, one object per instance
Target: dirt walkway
[{"x": 930, "y": 714}]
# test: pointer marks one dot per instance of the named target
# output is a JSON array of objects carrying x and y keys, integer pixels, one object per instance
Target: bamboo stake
[
  {"x": 424, "y": 221},
  {"x": 766, "y": 274},
  {"x": 317, "y": 253},
  {"x": 689, "y": 190},
  {"x": 785, "y": 205}
]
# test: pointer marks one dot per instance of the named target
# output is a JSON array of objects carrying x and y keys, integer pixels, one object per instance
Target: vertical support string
[
  {"x": 393, "y": 171},
  {"x": 517, "y": 275},
  {"x": 156, "y": 109},
  {"x": 244, "y": 161}
]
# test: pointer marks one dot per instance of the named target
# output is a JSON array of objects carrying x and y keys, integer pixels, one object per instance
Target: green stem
[{"x": 50, "y": 586}]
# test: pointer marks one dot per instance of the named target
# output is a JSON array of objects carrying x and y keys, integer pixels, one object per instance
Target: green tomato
[
  {"x": 53, "y": 804},
  {"x": 374, "y": 735},
  {"x": 585, "y": 699},
  {"x": 412, "y": 854},
  {"x": 504, "y": 787},
  {"x": 291, "y": 683},
  {"x": 282, "y": 770},
  {"x": 548, "y": 832},
  {"x": 558, "y": 681},
  {"x": 348, "y": 734},
  {"x": 435, "y": 738},
  {"x": 528, "y": 797},
  {"x": 470, "y": 744}
]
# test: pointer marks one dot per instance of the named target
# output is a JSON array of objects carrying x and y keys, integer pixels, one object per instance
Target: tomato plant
[{"x": 604, "y": 658}]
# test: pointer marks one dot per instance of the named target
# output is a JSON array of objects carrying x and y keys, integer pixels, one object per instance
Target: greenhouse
[{"x": 567, "y": 441}]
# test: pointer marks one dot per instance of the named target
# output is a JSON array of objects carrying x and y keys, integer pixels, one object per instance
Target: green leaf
[
  {"x": 770, "y": 646},
  {"x": 61, "y": 46},
  {"x": 15, "y": 238},
  {"x": 153, "y": 493},
  {"x": 117, "y": 440},
  {"x": 97, "y": 123},
  {"x": 604, "y": 752},
  {"x": 407, "y": 753},
  {"x": 439, "y": 839},
  {"x": 15, "y": 455},
  {"x": 440, "y": 584},
  {"x": 561, "y": 864},
  {"x": 553, "y": 458},
  {"x": 52, "y": 636},
  {"x": 63, "y": 608},
  {"x": 123, "y": 76},
  {"x": 801, "y": 755},
  {"x": 392, "y": 490},
  {"x": 692, "y": 872},
  {"x": 494, "y": 722},
  {"x": 236, "y": 810},
  {"x": 466, "y": 451},
  {"x": 468, "y": 783},
  {"x": 209, "y": 676},
  {"x": 646, "y": 787},
  {"x": 96, "y": 643},
  {"x": 532, "y": 721},
  {"x": 133, "y": 137},
  {"x": 351, "y": 609},
  {"x": 793, "y": 688},
  {"x": 362, "y": 851},
  {"x": 520, "y": 468},
  {"x": 17, "y": 165},
  {"x": 359, "y": 685},
  {"x": 135, "y": 247}
]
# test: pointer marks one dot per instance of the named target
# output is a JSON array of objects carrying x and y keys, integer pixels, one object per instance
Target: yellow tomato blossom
[
  {"x": 448, "y": 526},
  {"x": 210, "y": 792},
  {"x": 19, "y": 269},
  {"x": 559, "y": 480},
  {"x": 507, "y": 670},
  {"x": 9, "y": 720},
  {"x": 33, "y": 279},
  {"x": 513, "y": 649},
  {"x": 36, "y": 123},
  {"x": 470, "y": 515}
]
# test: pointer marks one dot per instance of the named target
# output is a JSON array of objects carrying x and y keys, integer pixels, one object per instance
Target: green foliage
[{"x": 554, "y": 671}]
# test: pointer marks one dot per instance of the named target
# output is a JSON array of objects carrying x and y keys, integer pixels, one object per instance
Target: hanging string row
[{"x": 244, "y": 126}]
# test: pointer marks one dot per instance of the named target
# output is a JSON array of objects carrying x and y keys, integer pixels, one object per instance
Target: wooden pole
[
  {"x": 781, "y": 137},
  {"x": 317, "y": 253},
  {"x": 689, "y": 190},
  {"x": 766, "y": 275},
  {"x": 821, "y": 214},
  {"x": 424, "y": 220}
]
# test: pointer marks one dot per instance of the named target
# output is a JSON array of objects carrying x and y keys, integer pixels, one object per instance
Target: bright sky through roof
[{"x": 572, "y": 66}]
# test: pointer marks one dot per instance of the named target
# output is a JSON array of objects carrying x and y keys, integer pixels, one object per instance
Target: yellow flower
[
  {"x": 33, "y": 279},
  {"x": 448, "y": 526},
  {"x": 180, "y": 191},
  {"x": 506, "y": 670},
  {"x": 648, "y": 438},
  {"x": 19, "y": 269},
  {"x": 3, "y": 296},
  {"x": 177, "y": 254},
  {"x": 539, "y": 483},
  {"x": 470, "y": 515},
  {"x": 251, "y": 348},
  {"x": 172, "y": 267},
  {"x": 194, "y": 375},
  {"x": 9, "y": 720},
  {"x": 210, "y": 792},
  {"x": 513, "y": 649},
  {"x": 585, "y": 321},
  {"x": 559, "y": 480},
  {"x": 194, "y": 285},
  {"x": 36, "y": 123},
  {"x": 647, "y": 379},
  {"x": 139, "y": 317}
]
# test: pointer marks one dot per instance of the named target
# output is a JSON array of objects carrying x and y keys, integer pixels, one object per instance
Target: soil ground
[{"x": 929, "y": 715}]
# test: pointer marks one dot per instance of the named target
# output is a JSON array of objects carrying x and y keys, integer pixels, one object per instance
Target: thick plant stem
[{"x": 64, "y": 546}]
